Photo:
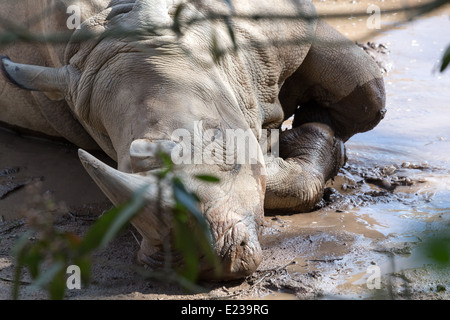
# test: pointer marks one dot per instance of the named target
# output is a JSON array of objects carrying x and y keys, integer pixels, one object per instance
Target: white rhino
[{"x": 129, "y": 87}]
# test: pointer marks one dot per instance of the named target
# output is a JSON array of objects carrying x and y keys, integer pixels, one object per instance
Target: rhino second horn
[
  {"x": 51, "y": 81},
  {"x": 145, "y": 154}
]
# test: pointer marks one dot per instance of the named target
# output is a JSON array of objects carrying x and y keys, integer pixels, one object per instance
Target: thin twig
[
  {"x": 80, "y": 217},
  {"x": 267, "y": 274},
  {"x": 325, "y": 260},
  {"x": 11, "y": 225},
  {"x": 135, "y": 238},
  {"x": 12, "y": 280}
]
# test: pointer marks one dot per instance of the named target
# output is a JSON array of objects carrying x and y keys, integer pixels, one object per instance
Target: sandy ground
[{"x": 318, "y": 255}]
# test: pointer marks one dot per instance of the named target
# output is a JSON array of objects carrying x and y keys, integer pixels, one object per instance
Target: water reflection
[
  {"x": 417, "y": 124},
  {"x": 416, "y": 129}
]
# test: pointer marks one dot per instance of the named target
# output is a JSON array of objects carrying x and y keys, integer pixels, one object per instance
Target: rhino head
[{"x": 138, "y": 95}]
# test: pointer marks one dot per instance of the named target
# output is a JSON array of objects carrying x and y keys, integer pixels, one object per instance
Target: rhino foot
[{"x": 310, "y": 155}]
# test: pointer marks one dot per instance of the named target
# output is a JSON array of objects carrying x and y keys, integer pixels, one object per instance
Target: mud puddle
[
  {"x": 26, "y": 160},
  {"x": 394, "y": 192},
  {"x": 392, "y": 195}
]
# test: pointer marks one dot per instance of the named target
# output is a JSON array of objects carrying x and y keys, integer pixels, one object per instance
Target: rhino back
[
  {"x": 264, "y": 65},
  {"x": 272, "y": 49}
]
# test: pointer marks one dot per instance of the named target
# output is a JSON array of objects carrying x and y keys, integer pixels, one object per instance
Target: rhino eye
[{"x": 232, "y": 169}]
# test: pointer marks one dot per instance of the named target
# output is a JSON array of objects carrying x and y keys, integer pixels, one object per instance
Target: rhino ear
[
  {"x": 51, "y": 81},
  {"x": 154, "y": 12}
]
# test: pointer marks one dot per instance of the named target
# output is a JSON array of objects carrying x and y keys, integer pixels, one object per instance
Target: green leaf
[
  {"x": 124, "y": 217},
  {"x": 192, "y": 238},
  {"x": 45, "y": 278},
  {"x": 189, "y": 201},
  {"x": 17, "y": 274},
  {"x": 167, "y": 165},
  {"x": 208, "y": 178},
  {"x": 20, "y": 245},
  {"x": 185, "y": 242},
  {"x": 111, "y": 222},
  {"x": 85, "y": 268},
  {"x": 18, "y": 252},
  {"x": 57, "y": 287},
  {"x": 32, "y": 259},
  {"x": 439, "y": 250},
  {"x": 445, "y": 59},
  {"x": 185, "y": 198},
  {"x": 166, "y": 160}
]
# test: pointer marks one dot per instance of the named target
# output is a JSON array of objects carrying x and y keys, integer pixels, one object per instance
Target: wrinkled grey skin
[{"x": 127, "y": 95}]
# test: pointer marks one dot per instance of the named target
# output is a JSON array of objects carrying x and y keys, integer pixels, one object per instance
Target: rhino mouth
[
  {"x": 237, "y": 246},
  {"x": 236, "y": 261}
]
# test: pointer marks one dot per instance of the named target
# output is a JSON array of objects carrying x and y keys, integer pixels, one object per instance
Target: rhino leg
[
  {"x": 337, "y": 92},
  {"x": 309, "y": 155},
  {"x": 337, "y": 84}
]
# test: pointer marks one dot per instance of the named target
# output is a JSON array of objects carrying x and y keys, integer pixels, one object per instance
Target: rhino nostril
[{"x": 244, "y": 242}]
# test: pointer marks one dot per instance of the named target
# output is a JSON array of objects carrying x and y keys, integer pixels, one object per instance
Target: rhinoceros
[{"x": 149, "y": 70}]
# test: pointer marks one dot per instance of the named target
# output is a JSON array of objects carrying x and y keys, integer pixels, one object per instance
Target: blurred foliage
[
  {"x": 48, "y": 254},
  {"x": 192, "y": 236},
  {"x": 445, "y": 59},
  {"x": 438, "y": 249}
]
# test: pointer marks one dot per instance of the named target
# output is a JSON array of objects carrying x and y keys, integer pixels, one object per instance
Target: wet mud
[{"x": 391, "y": 196}]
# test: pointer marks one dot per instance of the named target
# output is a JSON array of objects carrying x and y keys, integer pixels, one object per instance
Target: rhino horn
[
  {"x": 52, "y": 81},
  {"x": 118, "y": 186},
  {"x": 153, "y": 224}
]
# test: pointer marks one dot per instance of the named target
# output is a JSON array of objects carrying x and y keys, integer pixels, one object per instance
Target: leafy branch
[{"x": 48, "y": 256}]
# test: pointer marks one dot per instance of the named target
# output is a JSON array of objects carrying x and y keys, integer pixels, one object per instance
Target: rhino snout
[
  {"x": 241, "y": 253},
  {"x": 238, "y": 258}
]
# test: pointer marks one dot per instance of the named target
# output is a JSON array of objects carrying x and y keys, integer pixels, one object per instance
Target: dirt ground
[
  {"x": 324, "y": 254},
  {"x": 306, "y": 256}
]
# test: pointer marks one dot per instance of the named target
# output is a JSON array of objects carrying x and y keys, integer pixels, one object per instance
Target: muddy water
[
  {"x": 381, "y": 224},
  {"x": 55, "y": 166},
  {"x": 416, "y": 131}
]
